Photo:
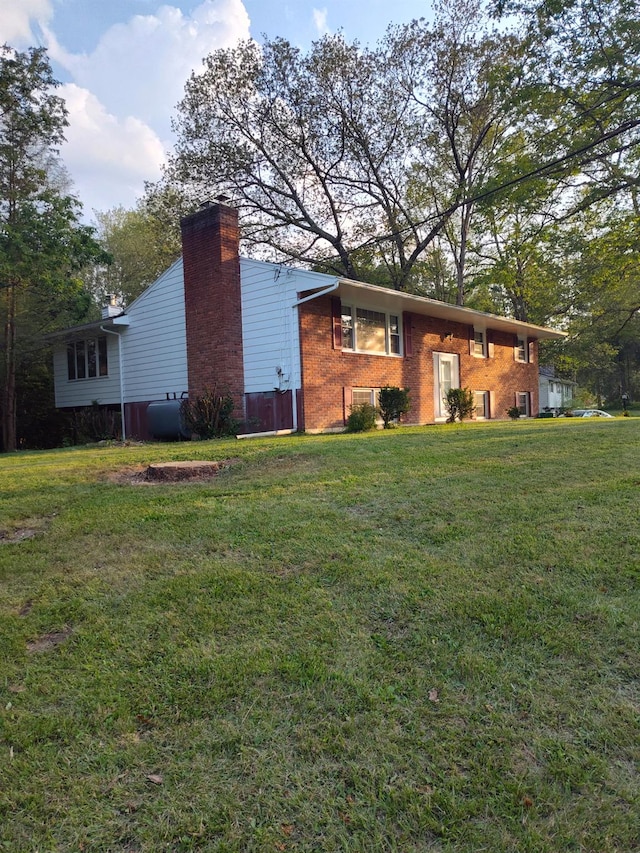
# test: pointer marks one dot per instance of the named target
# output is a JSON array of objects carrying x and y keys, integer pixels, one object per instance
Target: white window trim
[
  {"x": 374, "y": 399},
  {"x": 440, "y": 413},
  {"x": 527, "y": 397},
  {"x": 85, "y": 343},
  {"x": 485, "y": 395},
  {"x": 482, "y": 331},
  {"x": 353, "y": 308},
  {"x": 525, "y": 348}
]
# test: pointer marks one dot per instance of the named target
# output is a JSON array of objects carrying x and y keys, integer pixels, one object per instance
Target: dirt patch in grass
[
  {"x": 19, "y": 535},
  {"x": 46, "y": 642},
  {"x": 27, "y": 529},
  {"x": 166, "y": 473}
]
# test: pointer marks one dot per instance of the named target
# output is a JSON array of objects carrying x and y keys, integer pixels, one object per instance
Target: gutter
[
  {"x": 122, "y": 418},
  {"x": 295, "y": 305}
]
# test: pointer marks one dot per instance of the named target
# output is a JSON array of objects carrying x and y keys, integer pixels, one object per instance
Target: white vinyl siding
[
  {"x": 82, "y": 392},
  {"x": 154, "y": 351},
  {"x": 154, "y": 346},
  {"x": 270, "y": 335}
]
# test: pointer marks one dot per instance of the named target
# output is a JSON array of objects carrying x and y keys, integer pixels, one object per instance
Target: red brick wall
[
  {"x": 210, "y": 245},
  {"x": 327, "y": 371}
]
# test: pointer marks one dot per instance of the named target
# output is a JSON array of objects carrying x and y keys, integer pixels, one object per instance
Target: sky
[{"x": 123, "y": 65}]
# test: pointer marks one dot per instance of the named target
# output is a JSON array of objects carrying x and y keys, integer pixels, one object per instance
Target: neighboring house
[
  {"x": 555, "y": 394},
  {"x": 296, "y": 349}
]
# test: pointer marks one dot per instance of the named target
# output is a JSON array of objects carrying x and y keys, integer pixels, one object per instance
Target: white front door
[{"x": 446, "y": 374}]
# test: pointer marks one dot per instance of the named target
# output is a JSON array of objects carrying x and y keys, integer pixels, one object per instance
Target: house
[
  {"x": 554, "y": 394},
  {"x": 296, "y": 349}
]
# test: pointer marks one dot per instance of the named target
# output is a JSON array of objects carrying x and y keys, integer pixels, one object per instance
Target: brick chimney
[{"x": 210, "y": 252}]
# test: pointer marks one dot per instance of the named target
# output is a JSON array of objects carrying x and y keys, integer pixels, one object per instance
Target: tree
[
  {"x": 334, "y": 158},
  {"x": 580, "y": 96},
  {"x": 305, "y": 145},
  {"x": 140, "y": 246},
  {"x": 604, "y": 319},
  {"x": 42, "y": 243},
  {"x": 463, "y": 76}
]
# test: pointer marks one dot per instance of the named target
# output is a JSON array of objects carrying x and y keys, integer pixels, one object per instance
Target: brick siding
[
  {"x": 326, "y": 371},
  {"x": 210, "y": 248}
]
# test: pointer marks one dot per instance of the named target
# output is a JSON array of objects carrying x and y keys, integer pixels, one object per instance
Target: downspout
[
  {"x": 122, "y": 418},
  {"x": 295, "y": 305}
]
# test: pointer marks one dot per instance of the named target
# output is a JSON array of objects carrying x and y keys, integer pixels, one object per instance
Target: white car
[{"x": 590, "y": 413}]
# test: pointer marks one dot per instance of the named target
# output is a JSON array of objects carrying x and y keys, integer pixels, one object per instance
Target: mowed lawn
[{"x": 415, "y": 640}]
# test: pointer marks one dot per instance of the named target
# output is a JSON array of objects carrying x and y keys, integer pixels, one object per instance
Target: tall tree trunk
[
  {"x": 9, "y": 390},
  {"x": 461, "y": 254}
]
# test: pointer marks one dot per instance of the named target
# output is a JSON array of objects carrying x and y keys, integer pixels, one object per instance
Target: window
[
  {"x": 479, "y": 342},
  {"x": 394, "y": 334},
  {"x": 522, "y": 402},
  {"x": 521, "y": 349},
  {"x": 364, "y": 395},
  {"x": 482, "y": 404},
  {"x": 347, "y": 327},
  {"x": 365, "y": 330},
  {"x": 87, "y": 359}
]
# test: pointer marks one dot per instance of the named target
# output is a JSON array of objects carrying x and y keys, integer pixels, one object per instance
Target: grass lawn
[{"x": 415, "y": 640}]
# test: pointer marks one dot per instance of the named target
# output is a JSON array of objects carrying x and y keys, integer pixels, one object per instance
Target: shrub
[
  {"x": 393, "y": 402},
  {"x": 361, "y": 418},
  {"x": 514, "y": 413},
  {"x": 95, "y": 423},
  {"x": 460, "y": 403},
  {"x": 209, "y": 415}
]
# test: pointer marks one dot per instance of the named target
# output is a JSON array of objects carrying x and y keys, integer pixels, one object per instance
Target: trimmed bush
[
  {"x": 393, "y": 402},
  {"x": 460, "y": 404},
  {"x": 361, "y": 418}
]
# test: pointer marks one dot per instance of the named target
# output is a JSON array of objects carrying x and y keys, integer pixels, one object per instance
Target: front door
[{"x": 446, "y": 373}]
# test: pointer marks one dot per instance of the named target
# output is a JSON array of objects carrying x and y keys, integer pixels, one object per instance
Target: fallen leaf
[
  {"x": 287, "y": 828},
  {"x": 155, "y": 778},
  {"x": 16, "y": 688},
  {"x": 433, "y": 695},
  {"x": 527, "y": 802}
]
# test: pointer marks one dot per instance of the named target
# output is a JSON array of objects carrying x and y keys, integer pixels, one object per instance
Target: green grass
[{"x": 416, "y": 640}]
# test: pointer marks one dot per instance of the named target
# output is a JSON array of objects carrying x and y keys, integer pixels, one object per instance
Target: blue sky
[{"x": 123, "y": 65}]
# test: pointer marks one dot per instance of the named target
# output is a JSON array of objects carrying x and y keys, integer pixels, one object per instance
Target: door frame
[{"x": 452, "y": 358}]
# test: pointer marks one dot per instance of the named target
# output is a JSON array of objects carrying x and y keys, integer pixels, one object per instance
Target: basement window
[
  {"x": 523, "y": 403},
  {"x": 87, "y": 359},
  {"x": 481, "y": 399}
]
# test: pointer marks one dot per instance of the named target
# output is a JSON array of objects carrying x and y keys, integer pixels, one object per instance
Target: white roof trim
[{"x": 395, "y": 299}]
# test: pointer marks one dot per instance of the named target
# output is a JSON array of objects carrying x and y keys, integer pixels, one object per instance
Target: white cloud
[
  {"x": 16, "y": 17},
  {"x": 140, "y": 67},
  {"x": 124, "y": 93},
  {"x": 109, "y": 158},
  {"x": 320, "y": 21}
]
